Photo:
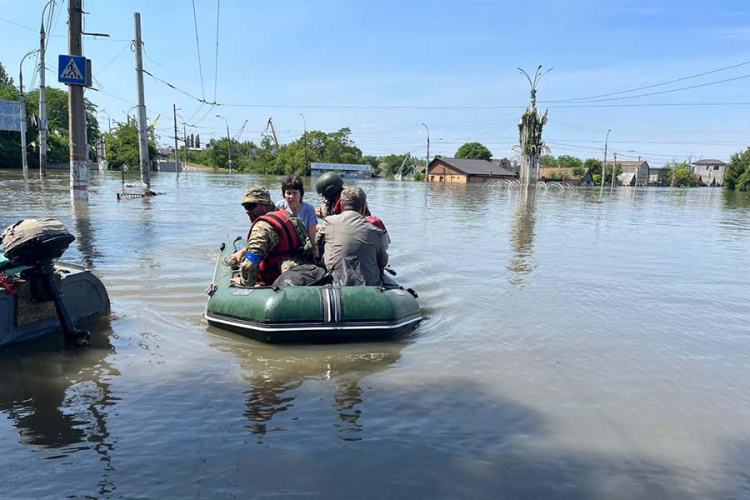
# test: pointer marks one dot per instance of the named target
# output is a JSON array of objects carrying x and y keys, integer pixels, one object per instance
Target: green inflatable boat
[{"x": 300, "y": 314}]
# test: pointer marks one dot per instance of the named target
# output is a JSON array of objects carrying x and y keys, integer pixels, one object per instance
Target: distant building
[
  {"x": 555, "y": 174},
  {"x": 463, "y": 171},
  {"x": 658, "y": 176},
  {"x": 710, "y": 172},
  {"x": 508, "y": 165},
  {"x": 634, "y": 173},
  {"x": 352, "y": 171}
]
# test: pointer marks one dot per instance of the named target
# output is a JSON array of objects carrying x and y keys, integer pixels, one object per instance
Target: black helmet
[{"x": 329, "y": 184}]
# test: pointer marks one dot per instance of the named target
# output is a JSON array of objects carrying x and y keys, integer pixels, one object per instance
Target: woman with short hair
[{"x": 293, "y": 191}]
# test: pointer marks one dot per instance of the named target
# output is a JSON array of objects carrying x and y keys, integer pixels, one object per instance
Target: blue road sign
[{"x": 72, "y": 70}]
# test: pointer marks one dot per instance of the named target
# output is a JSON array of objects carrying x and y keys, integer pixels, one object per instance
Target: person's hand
[
  {"x": 231, "y": 261},
  {"x": 237, "y": 281}
]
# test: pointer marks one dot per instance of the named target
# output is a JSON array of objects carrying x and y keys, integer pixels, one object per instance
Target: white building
[{"x": 710, "y": 172}]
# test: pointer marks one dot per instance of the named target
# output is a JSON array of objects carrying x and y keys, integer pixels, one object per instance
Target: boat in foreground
[{"x": 299, "y": 314}]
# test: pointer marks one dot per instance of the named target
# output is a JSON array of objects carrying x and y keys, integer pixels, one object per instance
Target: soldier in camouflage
[{"x": 269, "y": 250}]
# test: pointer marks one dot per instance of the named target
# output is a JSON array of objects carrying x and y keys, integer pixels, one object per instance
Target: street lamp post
[
  {"x": 229, "y": 143},
  {"x": 304, "y": 122},
  {"x": 24, "y": 159},
  {"x": 427, "y": 165},
  {"x": 43, "y": 97}
]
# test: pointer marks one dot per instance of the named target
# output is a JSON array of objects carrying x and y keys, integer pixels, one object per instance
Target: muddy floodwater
[{"x": 570, "y": 349}]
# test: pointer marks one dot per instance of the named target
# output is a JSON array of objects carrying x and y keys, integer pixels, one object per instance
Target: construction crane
[
  {"x": 241, "y": 131},
  {"x": 273, "y": 132}
]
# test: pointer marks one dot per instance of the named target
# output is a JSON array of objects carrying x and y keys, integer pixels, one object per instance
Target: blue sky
[{"x": 384, "y": 67}]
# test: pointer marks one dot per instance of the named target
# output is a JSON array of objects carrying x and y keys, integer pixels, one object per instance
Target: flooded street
[{"x": 570, "y": 349}]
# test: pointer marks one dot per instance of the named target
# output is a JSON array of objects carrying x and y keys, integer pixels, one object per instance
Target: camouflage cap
[{"x": 257, "y": 195}]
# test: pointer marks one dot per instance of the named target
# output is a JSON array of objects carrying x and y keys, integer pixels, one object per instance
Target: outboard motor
[{"x": 38, "y": 243}]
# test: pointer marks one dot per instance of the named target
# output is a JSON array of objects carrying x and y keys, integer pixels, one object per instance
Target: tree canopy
[
  {"x": 57, "y": 116},
  {"x": 122, "y": 146},
  {"x": 474, "y": 151},
  {"x": 737, "y": 176}
]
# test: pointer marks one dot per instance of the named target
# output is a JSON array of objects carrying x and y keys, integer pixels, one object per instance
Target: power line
[
  {"x": 174, "y": 87},
  {"x": 216, "y": 65},
  {"x": 198, "y": 48},
  {"x": 654, "y": 85},
  {"x": 668, "y": 91}
]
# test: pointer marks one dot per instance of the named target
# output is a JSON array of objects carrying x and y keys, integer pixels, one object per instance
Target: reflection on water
[
  {"x": 84, "y": 232},
  {"x": 504, "y": 387},
  {"x": 60, "y": 398},
  {"x": 522, "y": 238},
  {"x": 277, "y": 374}
]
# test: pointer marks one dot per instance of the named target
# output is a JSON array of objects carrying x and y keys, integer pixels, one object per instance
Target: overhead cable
[
  {"x": 198, "y": 48},
  {"x": 654, "y": 85}
]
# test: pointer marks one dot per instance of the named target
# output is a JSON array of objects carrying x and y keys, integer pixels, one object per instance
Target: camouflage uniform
[{"x": 263, "y": 239}]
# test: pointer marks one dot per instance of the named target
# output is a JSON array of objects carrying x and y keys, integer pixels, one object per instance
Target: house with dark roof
[
  {"x": 464, "y": 171},
  {"x": 710, "y": 172}
]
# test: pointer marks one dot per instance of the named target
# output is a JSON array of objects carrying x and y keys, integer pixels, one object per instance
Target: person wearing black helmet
[{"x": 329, "y": 186}]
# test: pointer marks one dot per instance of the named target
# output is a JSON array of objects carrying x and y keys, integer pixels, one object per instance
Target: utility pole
[
  {"x": 184, "y": 139},
  {"x": 176, "y": 150},
  {"x": 427, "y": 165},
  {"x": 604, "y": 165},
  {"x": 614, "y": 170},
  {"x": 305, "y": 135},
  {"x": 142, "y": 128},
  {"x": 42, "y": 104},
  {"x": 637, "y": 168},
  {"x": 24, "y": 159},
  {"x": 79, "y": 165}
]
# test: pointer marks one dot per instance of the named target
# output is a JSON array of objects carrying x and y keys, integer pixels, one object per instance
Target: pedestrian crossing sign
[{"x": 73, "y": 70}]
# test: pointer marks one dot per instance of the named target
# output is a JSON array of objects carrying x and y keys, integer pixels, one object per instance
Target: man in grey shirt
[{"x": 355, "y": 251}]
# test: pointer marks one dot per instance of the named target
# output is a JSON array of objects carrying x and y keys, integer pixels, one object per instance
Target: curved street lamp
[
  {"x": 229, "y": 143},
  {"x": 24, "y": 160}
]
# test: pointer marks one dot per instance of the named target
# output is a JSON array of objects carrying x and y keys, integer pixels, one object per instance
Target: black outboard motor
[{"x": 37, "y": 243}]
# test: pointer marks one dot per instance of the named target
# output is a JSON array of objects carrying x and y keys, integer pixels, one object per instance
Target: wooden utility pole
[
  {"x": 145, "y": 163},
  {"x": 79, "y": 166},
  {"x": 42, "y": 105},
  {"x": 176, "y": 150}
]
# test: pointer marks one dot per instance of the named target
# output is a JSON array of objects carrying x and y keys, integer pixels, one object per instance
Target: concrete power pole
[
  {"x": 614, "y": 172},
  {"x": 184, "y": 139},
  {"x": 42, "y": 106},
  {"x": 604, "y": 165},
  {"x": 24, "y": 157},
  {"x": 145, "y": 163},
  {"x": 427, "y": 165},
  {"x": 79, "y": 165},
  {"x": 176, "y": 150}
]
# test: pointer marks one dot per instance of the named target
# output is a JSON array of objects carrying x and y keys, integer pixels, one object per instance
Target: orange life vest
[{"x": 289, "y": 243}]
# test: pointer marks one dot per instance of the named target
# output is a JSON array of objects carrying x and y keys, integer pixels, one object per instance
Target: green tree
[
  {"x": 737, "y": 176},
  {"x": 682, "y": 175},
  {"x": 566, "y": 161},
  {"x": 547, "y": 161},
  {"x": 191, "y": 141},
  {"x": 197, "y": 141},
  {"x": 5, "y": 79},
  {"x": 122, "y": 146},
  {"x": 474, "y": 151}
]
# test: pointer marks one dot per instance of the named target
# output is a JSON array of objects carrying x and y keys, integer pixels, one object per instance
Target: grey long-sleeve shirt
[{"x": 350, "y": 240}]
